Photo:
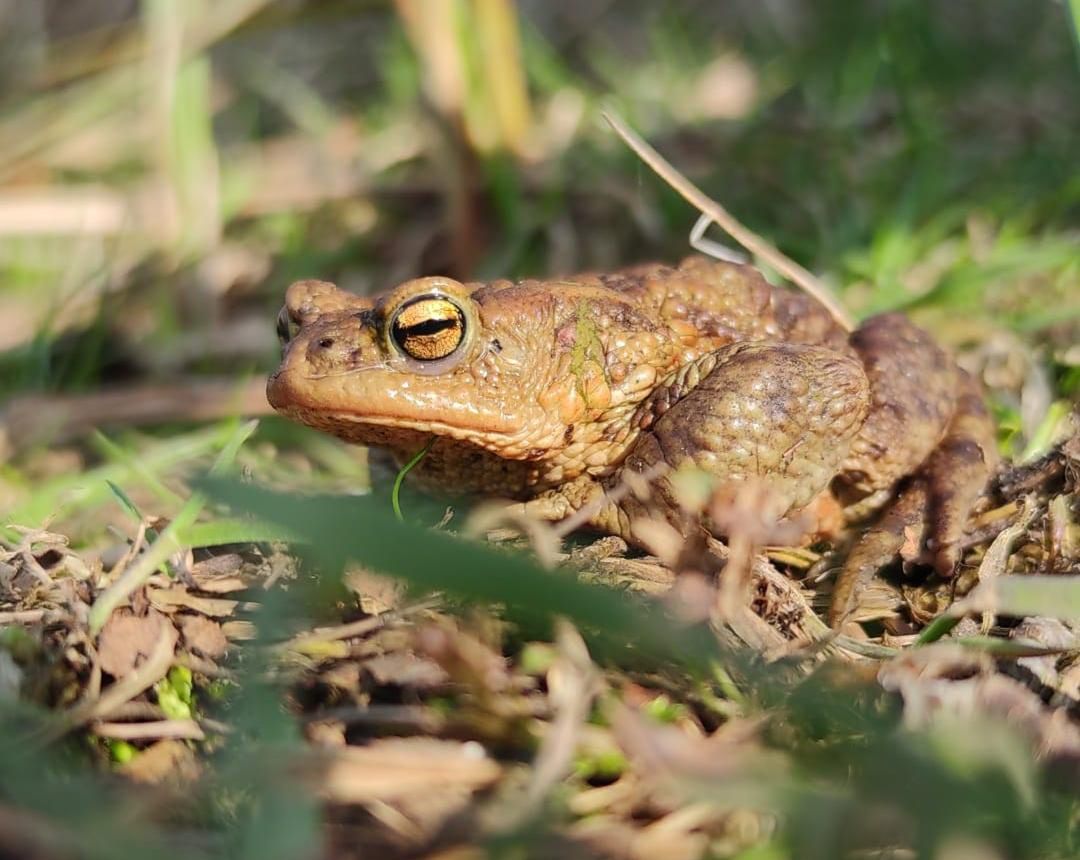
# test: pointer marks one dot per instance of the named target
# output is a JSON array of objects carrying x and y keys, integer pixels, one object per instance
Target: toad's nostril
[{"x": 326, "y": 342}]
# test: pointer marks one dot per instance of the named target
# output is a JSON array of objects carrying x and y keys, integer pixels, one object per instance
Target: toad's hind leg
[
  {"x": 957, "y": 473},
  {"x": 929, "y": 435}
]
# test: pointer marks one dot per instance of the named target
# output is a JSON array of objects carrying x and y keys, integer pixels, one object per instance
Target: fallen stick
[{"x": 56, "y": 418}]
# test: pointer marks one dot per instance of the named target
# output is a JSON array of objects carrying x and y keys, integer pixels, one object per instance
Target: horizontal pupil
[{"x": 428, "y": 327}]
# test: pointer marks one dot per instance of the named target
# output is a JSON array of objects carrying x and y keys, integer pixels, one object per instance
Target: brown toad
[{"x": 552, "y": 391}]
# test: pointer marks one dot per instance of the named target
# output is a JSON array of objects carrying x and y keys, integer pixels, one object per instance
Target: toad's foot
[{"x": 926, "y": 520}]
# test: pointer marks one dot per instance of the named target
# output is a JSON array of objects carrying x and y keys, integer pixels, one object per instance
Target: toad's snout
[
  {"x": 340, "y": 346},
  {"x": 321, "y": 354}
]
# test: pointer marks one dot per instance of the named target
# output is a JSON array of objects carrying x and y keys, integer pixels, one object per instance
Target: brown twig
[
  {"x": 24, "y": 616},
  {"x": 27, "y": 420},
  {"x": 356, "y": 629}
]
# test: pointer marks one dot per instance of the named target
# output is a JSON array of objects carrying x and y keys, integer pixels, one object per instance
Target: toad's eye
[{"x": 428, "y": 328}]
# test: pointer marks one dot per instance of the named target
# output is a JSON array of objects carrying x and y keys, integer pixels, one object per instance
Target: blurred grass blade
[
  {"x": 1019, "y": 596},
  {"x": 69, "y": 494},
  {"x": 227, "y": 455},
  {"x": 186, "y": 153},
  {"x": 1015, "y": 596},
  {"x": 504, "y": 84},
  {"x": 125, "y": 501},
  {"x": 360, "y": 529},
  {"x": 229, "y": 531},
  {"x": 1053, "y": 426},
  {"x": 1008, "y": 648},
  {"x": 142, "y": 470},
  {"x": 1074, "y": 13}
]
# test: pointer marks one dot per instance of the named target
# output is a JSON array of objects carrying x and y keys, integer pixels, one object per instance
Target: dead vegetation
[{"x": 433, "y": 728}]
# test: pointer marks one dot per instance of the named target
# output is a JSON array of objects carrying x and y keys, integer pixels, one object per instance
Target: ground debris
[{"x": 431, "y": 729}]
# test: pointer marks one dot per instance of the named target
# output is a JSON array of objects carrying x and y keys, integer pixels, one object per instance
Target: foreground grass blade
[
  {"x": 1019, "y": 596},
  {"x": 361, "y": 529},
  {"x": 1074, "y": 9},
  {"x": 1016, "y": 596},
  {"x": 225, "y": 531}
]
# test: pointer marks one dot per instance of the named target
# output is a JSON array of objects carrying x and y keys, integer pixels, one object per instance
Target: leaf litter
[{"x": 447, "y": 728}]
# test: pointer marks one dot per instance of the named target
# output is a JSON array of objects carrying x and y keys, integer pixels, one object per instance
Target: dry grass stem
[
  {"x": 157, "y": 730},
  {"x": 750, "y": 240}
]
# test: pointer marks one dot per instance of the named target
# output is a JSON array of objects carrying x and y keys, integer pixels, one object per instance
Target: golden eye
[{"x": 428, "y": 328}]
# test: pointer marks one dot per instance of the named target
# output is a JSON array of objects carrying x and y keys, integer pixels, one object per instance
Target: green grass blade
[
  {"x": 138, "y": 465},
  {"x": 399, "y": 479},
  {"x": 125, "y": 500},
  {"x": 232, "y": 447},
  {"x": 1019, "y": 596},
  {"x": 1074, "y": 13},
  {"x": 70, "y": 494},
  {"x": 230, "y": 530},
  {"x": 359, "y": 529}
]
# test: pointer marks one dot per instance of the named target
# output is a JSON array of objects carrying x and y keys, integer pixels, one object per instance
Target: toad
[{"x": 556, "y": 392}]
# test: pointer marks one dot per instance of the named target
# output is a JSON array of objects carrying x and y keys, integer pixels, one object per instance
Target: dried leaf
[
  {"x": 660, "y": 751},
  {"x": 165, "y": 760},
  {"x": 406, "y": 670},
  {"x": 949, "y": 684},
  {"x": 127, "y": 640},
  {"x": 203, "y": 636},
  {"x": 996, "y": 560},
  {"x": 1047, "y": 633},
  {"x": 465, "y": 658},
  {"x": 239, "y": 630},
  {"x": 911, "y": 548}
]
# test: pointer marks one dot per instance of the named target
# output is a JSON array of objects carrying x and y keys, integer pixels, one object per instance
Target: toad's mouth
[
  {"x": 395, "y": 418},
  {"x": 352, "y": 425},
  {"x": 405, "y": 436},
  {"x": 440, "y": 413}
]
